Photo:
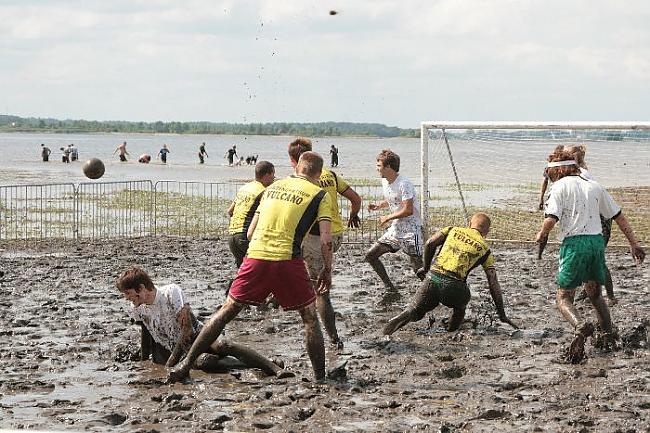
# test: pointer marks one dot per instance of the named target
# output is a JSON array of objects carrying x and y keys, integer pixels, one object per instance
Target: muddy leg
[
  {"x": 576, "y": 351},
  {"x": 609, "y": 287},
  {"x": 564, "y": 300},
  {"x": 416, "y": 262},
  {"x": 426, "y": 299},
  {"x": 606, "y": 340},
  {"x": 372, "y": 257},
  {"x": 328, "y": 317},
  {"x": 208, "y": 335},
  {"x": 456, "y": 319},
  {"x": 314, "y": 341},
  {"x": 246, "y": 355}
]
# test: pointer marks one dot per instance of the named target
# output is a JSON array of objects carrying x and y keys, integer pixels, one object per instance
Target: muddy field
[{"x": 68, "y": 351}]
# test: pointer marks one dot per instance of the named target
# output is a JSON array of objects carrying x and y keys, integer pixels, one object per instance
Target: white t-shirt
[
  {"x": 395, "y": 193},
  {"x": 160, "y": 318},
  {"x": 578, "y": 204}
]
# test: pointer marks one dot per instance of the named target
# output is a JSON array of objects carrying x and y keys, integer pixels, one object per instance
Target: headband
[{"x": 561, "y": 163}]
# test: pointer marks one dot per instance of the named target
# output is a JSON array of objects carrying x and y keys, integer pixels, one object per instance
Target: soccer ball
[{"x": 94, "y": 168}]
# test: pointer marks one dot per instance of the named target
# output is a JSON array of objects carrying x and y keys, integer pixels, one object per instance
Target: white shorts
[
  {"x": 409, "y": 242},
  {"x": 313, "y": 255}
]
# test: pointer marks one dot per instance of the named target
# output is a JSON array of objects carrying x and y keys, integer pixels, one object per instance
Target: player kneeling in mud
[
  {"x": 463, "y": 249},
  {"x": 576, "y": 204},
  {"x": 169, "y": 327}
]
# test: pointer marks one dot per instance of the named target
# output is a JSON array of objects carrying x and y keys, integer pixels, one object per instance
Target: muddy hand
[
  {"x": 638, "y": 254},
  {"x": 421, "y": 273},
  {"x": 354, "y": 221},
  {"x": 324, "y": 282}
]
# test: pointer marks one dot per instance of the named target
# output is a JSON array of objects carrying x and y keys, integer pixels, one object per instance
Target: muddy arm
[
  {"x": 145, "y": 342},
  {"x": 495, "y": 292},
  {"x": 355, "y": 202},
  {"x": 635, "y": 248},
  {"x": 184, "y": 319},
  {"x": 429, "y": 253},
  {"x": 542, "y": 191},
  {"x": 325, "y": 277},
  {"x": 231, "y": 209},
  {"x": 251, "y": 228}
]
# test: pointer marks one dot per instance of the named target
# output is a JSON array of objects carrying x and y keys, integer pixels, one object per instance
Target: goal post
[{"x": 497, "y": 168}]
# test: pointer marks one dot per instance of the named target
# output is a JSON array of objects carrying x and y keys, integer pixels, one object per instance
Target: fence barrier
[{"x": 102, "y": 210}]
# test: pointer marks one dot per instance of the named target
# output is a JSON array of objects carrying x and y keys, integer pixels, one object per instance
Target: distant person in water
[
  {"x": 74, "y": 153},
  {"x": 65, "y": 154},
  {"x": 122, "y": 151},
  {"x": 202, "y": 153},
  {"x": 163, "y": 154},
  {"x": 145, "y": 158},
  {"x": 230, "y": 154},
  {"x": 334, "y": 154},
  {"x": 240, "y": 162},
  {"x": 45, "y": 152}
]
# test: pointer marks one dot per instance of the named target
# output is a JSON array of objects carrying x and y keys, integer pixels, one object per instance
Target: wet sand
[{"x": 68, "y": 354}]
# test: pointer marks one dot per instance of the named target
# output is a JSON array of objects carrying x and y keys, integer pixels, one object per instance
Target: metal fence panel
[
  {"x": 115, "y": 209},
  {"x": 37, "y": 211},
  {"x": 192, "y": 208}
]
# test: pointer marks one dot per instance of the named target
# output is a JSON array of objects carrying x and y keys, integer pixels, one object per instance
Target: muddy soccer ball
[{"x": 94, "y": 168}]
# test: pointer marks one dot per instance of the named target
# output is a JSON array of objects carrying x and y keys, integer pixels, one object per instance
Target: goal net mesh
[{"x": 500, "y": 171}]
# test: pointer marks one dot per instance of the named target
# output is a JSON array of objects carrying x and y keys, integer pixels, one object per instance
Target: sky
[{"x": 392, "y": 62}]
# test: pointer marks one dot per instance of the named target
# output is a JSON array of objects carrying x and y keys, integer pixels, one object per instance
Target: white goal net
[{"x": 497, "y": 168}]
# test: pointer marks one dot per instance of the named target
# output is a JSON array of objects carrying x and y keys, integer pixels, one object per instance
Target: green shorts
[
  {"x": 450, "y": 292},
  {"x": 582, "y": 259}
]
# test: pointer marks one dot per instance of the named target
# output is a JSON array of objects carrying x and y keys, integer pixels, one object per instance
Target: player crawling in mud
[
  {"x": 463, "y": 249},
  {"x": 577, "y": 204},
  {"x": 169, "y": 328}
]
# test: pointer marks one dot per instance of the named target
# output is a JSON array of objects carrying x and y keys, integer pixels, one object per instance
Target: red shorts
[{"x": 287, "y": 280}]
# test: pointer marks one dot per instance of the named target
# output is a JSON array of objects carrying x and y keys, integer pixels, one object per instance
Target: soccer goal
[{"x": 497, "y": 168}]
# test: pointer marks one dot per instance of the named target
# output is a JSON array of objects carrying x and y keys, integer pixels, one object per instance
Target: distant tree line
[{"x": 32, "y": 124}]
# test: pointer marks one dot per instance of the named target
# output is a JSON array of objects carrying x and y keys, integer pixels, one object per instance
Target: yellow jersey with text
[
  {"x": 288, "y": 208},
  {"x": 246, "y": 202},
  {"x": 333, "y": 185},
  {"x": 463, "y": 250}
]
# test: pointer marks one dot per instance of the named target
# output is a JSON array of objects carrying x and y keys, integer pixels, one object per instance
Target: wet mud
[{"x": 69, "y": 354}]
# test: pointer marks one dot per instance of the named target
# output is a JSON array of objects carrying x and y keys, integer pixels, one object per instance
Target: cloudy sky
[{"x": 393, "y": 62}]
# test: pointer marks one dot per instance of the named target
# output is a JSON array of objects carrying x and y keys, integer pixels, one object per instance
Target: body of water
[{"x": 477, "y": 162}]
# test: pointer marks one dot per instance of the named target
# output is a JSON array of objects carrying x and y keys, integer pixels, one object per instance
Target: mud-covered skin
[
  {"x": 378, "y": 250},
  {"x": 67, "y": 358}
]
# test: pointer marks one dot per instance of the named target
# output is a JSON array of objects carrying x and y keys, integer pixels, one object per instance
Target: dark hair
[
  {"x": 310, "y": 164},
  {"x": 299, "y": 146},
  {"x": 132, "y": 278},
  {"x": 263, "y": 168},
  {"x": 389, "y": 158}
]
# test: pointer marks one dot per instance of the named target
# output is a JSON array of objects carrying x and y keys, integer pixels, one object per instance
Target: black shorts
[
  {"x": 238, "y": 244},
  {"x": 123, "y": 158}
]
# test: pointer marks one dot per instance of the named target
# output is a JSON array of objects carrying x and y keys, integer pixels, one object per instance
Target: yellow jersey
[
  {"x": 333, "y": 185},
  {"x": 246, "y": 202},
  {"x": 288, "y": 208},
  {"x": 463, "y": 250}
]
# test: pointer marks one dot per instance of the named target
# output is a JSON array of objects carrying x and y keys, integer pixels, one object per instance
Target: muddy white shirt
[
  {"x": 160, "y": 318},
  {"x": 577, "y": 204},
  {"x": 397, "y": 192}
]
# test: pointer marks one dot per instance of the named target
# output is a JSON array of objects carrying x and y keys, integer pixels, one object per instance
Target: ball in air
[
  {"x": 94, "y": 168},
  {"x": 333, "y": 12}
]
